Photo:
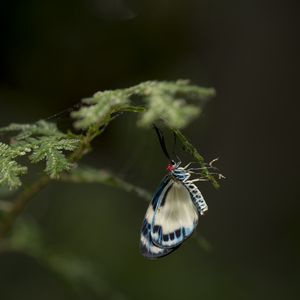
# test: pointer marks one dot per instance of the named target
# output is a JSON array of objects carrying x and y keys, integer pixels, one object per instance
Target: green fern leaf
[
  {"x": 40, "y": 128},
  {"x": 10, "y": 169},
  {"x": 44, "y": 141},
  {"x": 167, "y": 101},
  {"x": 102, "y": 105},
  {"x": 51, "y": 150},
  {"x": 164, "y": 100}
]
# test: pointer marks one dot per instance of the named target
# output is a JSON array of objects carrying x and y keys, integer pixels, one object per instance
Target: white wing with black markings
[{"x": 170, "y": 219}]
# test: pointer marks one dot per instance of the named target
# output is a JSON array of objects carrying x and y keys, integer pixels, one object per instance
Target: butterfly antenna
[
  {"x": 174, "y": 147},
  {"x": 161, "y": 141}
]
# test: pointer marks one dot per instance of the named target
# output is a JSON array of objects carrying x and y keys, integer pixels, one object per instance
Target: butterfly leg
[
  {"x": 185, "y": 167},
  {"x": 220, "y": 176},
  {"x": 197, "y": 179}
]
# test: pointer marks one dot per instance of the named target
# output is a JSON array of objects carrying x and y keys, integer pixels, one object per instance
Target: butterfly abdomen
[{"x": 197, "y": 197}]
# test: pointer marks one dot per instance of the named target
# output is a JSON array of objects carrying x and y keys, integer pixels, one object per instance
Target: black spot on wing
[
  {"x": 156, "y": 228},
  {"x": 178, "y": 233},
  {"x": 165, "y": 237}
]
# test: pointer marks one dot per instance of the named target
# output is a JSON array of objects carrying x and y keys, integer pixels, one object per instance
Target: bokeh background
[{"x": 54, "y": 53}]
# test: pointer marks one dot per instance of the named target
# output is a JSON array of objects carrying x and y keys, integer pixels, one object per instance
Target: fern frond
[
  {"x": 40, "y": 128},
  {"x": 100, "y": 108},
  {"x": 43, "y": 141},
  {"x": 51, "y": 150},
  {"x": 163, "y": 100},
  {"x": 10, "y": 169},
  {"x": 168, "y": 101}
]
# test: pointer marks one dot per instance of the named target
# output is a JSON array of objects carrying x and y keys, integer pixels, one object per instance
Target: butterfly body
[{"x": 172, "y": 214}]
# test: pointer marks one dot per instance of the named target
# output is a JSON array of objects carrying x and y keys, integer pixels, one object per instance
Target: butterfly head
[{"x": 172, "y": 166}]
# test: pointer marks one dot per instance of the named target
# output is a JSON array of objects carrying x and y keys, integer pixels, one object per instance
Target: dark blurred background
[{"x": 54, "y": 53}]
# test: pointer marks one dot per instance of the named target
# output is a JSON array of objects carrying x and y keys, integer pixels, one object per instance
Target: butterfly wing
[
  {"x": 175, "y": 217},
  {"x": 147, "y": 247}
]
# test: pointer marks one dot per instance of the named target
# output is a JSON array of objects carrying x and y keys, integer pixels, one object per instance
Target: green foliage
[
  {"x": 51, "y": 150},
  {"x": 167, "y": 101},
  {"x": 39, "y": 141},
  {"x": 161, "y": 101},
  {"x": 101, "y": 108},
  {"x": 10, "y": 169},
  {"x": 40, "y": 128},
  {"x": 44, "y": 142}
]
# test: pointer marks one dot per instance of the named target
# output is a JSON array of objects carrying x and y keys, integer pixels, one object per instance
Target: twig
[{"x": 193, "y": 151}]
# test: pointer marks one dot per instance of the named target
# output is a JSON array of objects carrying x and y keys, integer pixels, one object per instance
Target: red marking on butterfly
[{"x": 170, "y": 168}]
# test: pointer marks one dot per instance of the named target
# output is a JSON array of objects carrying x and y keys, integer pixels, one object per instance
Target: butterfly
[{"x": 173, "y": 212}]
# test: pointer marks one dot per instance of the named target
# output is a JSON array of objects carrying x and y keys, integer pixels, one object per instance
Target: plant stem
[{"x": 193, "y": 151}]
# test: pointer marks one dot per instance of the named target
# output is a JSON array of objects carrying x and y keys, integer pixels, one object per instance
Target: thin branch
[{"x": 199, "y": 158}]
